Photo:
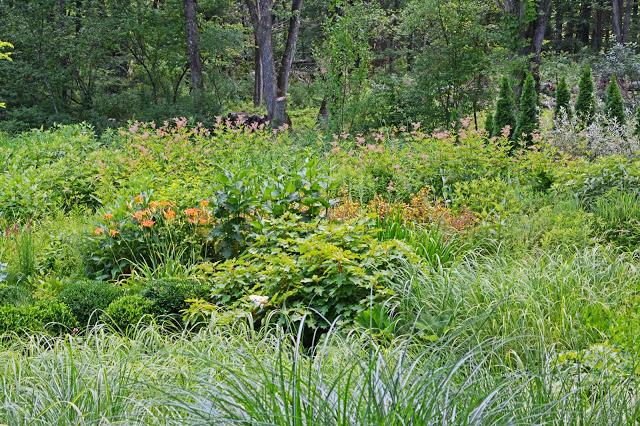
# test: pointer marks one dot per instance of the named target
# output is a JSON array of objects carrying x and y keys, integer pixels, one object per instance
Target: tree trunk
[
  {"x": 544, "y": 10},
  {"x": 258, "y": 85},
  {"x": 193, "y": 49},
  {"x": 274, "y": 87},
  {"x": 598, "y": 27},
  {"x": 585, "y": 22},
  {"x": 617, "y": 19},
  {"x": 626, "y": 21},
  {"x": 287, "y": 62}
]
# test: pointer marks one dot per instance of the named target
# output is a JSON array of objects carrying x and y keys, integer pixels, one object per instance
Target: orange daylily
[
  {"x": 98, "y": 231},
  {"x": 114, "y": 232},
  {"x": 108, "y": 216},
  {"x": 148, "y": 223}
]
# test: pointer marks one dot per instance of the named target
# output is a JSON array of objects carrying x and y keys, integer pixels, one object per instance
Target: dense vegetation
[
  {"x": 408, "y": 267},
  {"x": 319, "y": 212},
  {"x": 433, "y": 61}
]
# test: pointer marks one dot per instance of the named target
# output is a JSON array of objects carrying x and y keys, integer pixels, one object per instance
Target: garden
[{"x": 174, "y": 274}]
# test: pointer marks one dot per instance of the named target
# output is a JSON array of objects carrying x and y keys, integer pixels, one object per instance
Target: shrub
[
  {"x": 614, "y": 105},
  {"x": 488, "y": 124},
  {"x": 327, "y": 272},
  {"x": 84, "y": 298},
  {"x": 47, "y": 316},
  {"x": 528, "y": 112},
  {"x": 168, "y": 296},
  {"x": 505, "y": 108},
  {"x": 563, "y": 100},
  {"x": 127, "y": 312},
  {"x": 586, "y": 102},
  {"x": 14, "y": 295},
  {"x": 618, "y": 217}
]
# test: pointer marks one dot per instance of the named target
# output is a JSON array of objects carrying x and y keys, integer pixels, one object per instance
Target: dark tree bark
[
  {"x": 258, "y": 85},
  {"x": 598, "y": 26},
  {"x": 274, "y": 87},
  {"x": 290, "y": 49},
  {"x": 616, "y": 10},
  {"x": 559, "y": 23},
  {"x": 626, "y": 21},
  {"x": 193, "y": 48},
  {"x": 585, "y": 22}
]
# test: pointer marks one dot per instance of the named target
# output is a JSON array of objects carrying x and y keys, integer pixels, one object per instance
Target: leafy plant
[
  {"x": 87, "y": 298},
  {"x": 168, "y": 296},
  {"x": 127, "y": 313},
  {"x": 325, "y": 272}
]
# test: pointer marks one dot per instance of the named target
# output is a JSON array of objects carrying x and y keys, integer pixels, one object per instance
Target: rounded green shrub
[
  {"x": 127, "y": 312},
  {"x": 86, "y": 297},
  {"x": 46, "y": 316},
  {"x": 14, "y": 295},
  {"x": 168, "y": 295}
]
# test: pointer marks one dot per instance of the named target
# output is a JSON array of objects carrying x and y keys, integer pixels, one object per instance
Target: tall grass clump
[{"x": 233, "y": 374}]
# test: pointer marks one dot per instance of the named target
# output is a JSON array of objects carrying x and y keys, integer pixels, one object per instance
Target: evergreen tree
[
  {"x": 505, "y": 108},
  {"x": 614, "y": 105},
  {"x": 488, "y": 124},
  {"x": 528, "y": 112},
  {"x": 563, "y": 100},
  {"x": 586, "y": 103},
  {"x": 637, "y": 129}
]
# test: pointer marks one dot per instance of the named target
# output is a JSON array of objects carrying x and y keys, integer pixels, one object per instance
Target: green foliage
[
  {"x": 563, "y": 100},
  {"x": 614, "y": 104},
  {"x": 618, "y": 217},
  {"x": 128, "y": 312},
  {"x": 4, "y": 57},
  {"x": 637, "y": 123},
  {"x": 325, "y": 272},
  {"x": 168, "y": 296},
  {"x": 488, "y": 124},
  {"x": 86, "y": 298},
  {"x": 14, "y": 295},
  {"x": 528, "y": 121},
  {"x": 347, "y": 57},
  {"x": 505, "y": 109},
  {"x": 586, "y": 102},
  {"x": 46, "y": 316}
]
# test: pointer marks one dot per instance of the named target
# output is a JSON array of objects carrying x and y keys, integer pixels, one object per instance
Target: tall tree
[
  {"x": 505, "y": 108},
  {"x": 563, "y": 100},
  {"x": 528, "y": 112},
  {"x": 193, "y": 49},
  {"x": 614, "y": 104},
  {"x": 586, "y": 102},
  {"x": 275, "y": 87}
]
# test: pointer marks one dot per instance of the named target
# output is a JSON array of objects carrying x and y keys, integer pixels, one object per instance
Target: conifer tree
[
  {"x": 586, "y": 103},
  {"x": 528, "y": 112},
  {"x": 488, "y": 124},
  {"x": 563, "y": 100},
  {"x": 614, "y": 104},
  {"x": 505, "y": 108}
]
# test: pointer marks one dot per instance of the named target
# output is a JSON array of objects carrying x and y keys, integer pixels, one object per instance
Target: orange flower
[
  {"x": 154, "y": 204},
  {"x": 202, "y": 221},
  {"x": 204, "y": 203},
  {"x": 139, "y": 215},
  {"x": 98, "y": 231},
  {"x": 169, "y": 214},
  {"x": 192, "y": 212},
  {"x": 114, "y": 232},
  {"x": 108, "y": 216},
  {"x": 138, "y": 199},
  {"x": 148, "y": 223}
]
